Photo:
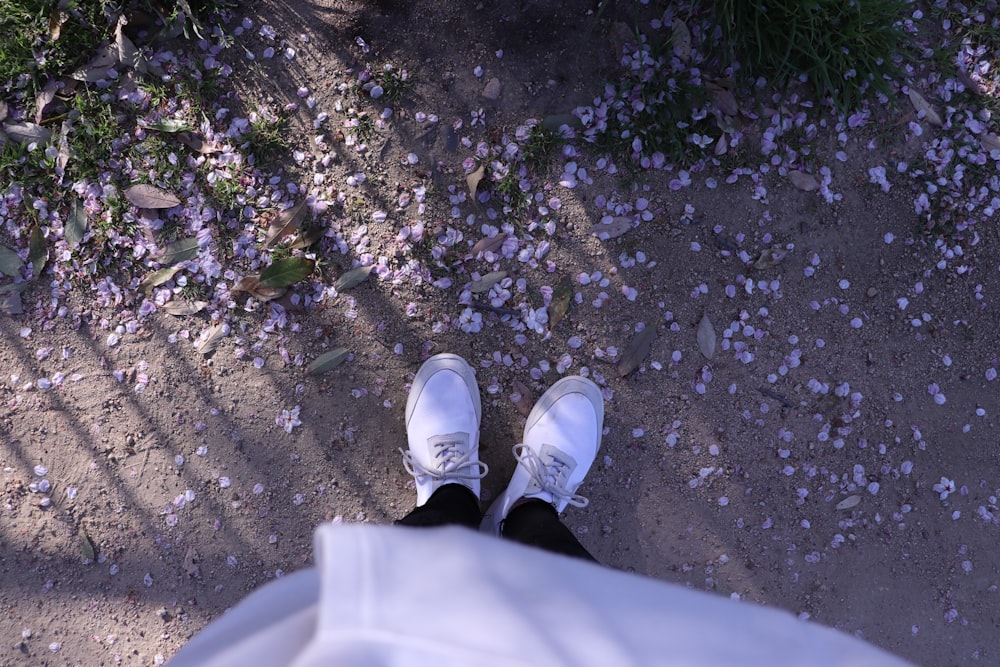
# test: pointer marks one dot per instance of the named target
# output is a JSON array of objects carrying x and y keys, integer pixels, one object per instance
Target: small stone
[
  {"x": 163, "y": 613},
  {"x": 492, "y": 89},
  {"x": 872, "y": 292}
]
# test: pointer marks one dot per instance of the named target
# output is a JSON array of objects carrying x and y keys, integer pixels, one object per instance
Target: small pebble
[{"x": 492, "y": 89}]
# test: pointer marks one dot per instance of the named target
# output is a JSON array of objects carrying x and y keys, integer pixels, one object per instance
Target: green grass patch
[
  {"x": 394, "y": 81},
  {"x": 660, "y": 108},
  {"x": 360, "y": 126},
  {"x": 267, "y": 136},
  {"x": 844, "y": 47},
  {"x": 537, "y": 151},
  {"x": 972, "y": 35},
  {"x": 96, "y": 127},
  {"x": 42, "y": 40}
]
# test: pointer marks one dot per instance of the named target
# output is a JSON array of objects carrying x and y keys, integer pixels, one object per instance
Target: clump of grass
[
  {"x": 956, "y": 170},
  {"x": 507, "y": 190},
  {"x": 97, "y": 128},
  {"x": 43, "y": 40},
  {"x": 972, "y": 38},
  {"x": 516, "y": 158},
  {"x": 537, "y": 150},
  {"x": 360, "y": 126},
  {"x": 267, "y": 136},
  {"x": 844, "y": 47},
  {"x": 386, "y": 82},
  {"x": 13, "y": 156},
  {"x": 395, "y": 82},
  {"x": 657, "y": 112}
]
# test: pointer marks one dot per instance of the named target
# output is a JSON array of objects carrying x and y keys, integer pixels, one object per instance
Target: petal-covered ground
[{"x": 216, "y": 294}]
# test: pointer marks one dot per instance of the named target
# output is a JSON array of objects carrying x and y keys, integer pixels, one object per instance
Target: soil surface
[{"x": 795, "y": 468}]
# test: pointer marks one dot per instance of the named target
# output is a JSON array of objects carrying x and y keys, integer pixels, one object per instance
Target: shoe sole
[
  {"x": 573, "y": 384},
  {"x": 442, "y": 362}
]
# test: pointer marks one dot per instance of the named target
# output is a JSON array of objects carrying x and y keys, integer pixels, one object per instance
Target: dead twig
[{"x": 778, "y": 397}]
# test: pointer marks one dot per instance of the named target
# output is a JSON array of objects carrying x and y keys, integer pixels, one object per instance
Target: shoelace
[
  {"x": 454, "y": 462},
  {"x": 550, "y": 477}
]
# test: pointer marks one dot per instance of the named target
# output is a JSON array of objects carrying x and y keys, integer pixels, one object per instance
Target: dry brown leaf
[
  {"x": 75, "y": 227},
  {"x": 770, "y": 257},
  {"x": 157, "y": 278},
  {"x": 10, "y": 262},
  {"x": 488, "y": 281},
  {"x": 38, "y": 251},
  {"x": 178, "y": 251},
  {"x": 849, "y": 502},
  {"x": 353, "y": 278},
  {"x": 62, "y": 157},
  {"x": 722, "y": 145},
  {"x": 285, "y": 223},
  {"x": 706, "y": 337},
  {"x": 10, "y": 303},
  {"x": 489, "y": 244},
  {"x": 682, "y": 41},
  {"x": 246, "y": 284},
  {"x": 181, "y": 308},
  {"x": 150, "y": 196},
  {"x": 128, "y": 54},
  {"x": 306, "y": 238},
  {"x": 265, "y": 293},
  {"x": 803, "y": 181},
  {"x": 971, "y": 84},
  {"x": 637, "y": 351},
  {"x": 328, "y": 361},
  {"x": 522, "y": 398},
  {"x": 562, "y": 296},
  {"x": 211, "y": 337},
  {"x": 726, "y": 101},
  {"x": 26, "y": 133},
  {"x": 44, "y": 97},
  {"x": 613, "y": 229},
  {"x": 99, "y": 65},
  {"x": 251, "y": 285},
  {"x": 87, "y": 549},
  {"x": 56, "y": 20},
  {"x": 197, "y": 143},
  {"x": 920, "y": 104},
  {"x": 472, "y": 180}
]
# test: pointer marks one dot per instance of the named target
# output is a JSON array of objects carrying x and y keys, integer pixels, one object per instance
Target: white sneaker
[
  {"x": 561, "y": 439},
  {"x": 443, "y": 412}
]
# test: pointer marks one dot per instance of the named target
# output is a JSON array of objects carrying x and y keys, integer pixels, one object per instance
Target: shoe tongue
[
  {"x": 461, "y": 439},
  {"x": 551, "y": 454}
]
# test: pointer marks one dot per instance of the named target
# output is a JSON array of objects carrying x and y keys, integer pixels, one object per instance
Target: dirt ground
[{"x": 794, "y": 469}]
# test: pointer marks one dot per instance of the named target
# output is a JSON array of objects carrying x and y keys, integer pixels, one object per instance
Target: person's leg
[
  {"x": 561, "y": 439},
  {"x": 443, "y": 412},
  {"x": 450, "y": 504},
  {"x": 536, "y": 523}
]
